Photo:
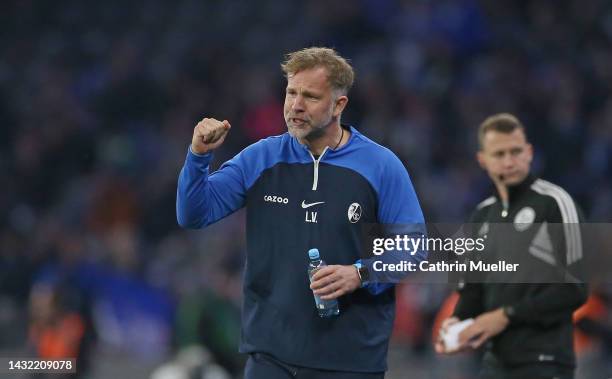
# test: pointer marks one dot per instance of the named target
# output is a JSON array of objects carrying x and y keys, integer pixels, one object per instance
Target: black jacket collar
[{"x": 515, "y": 191}]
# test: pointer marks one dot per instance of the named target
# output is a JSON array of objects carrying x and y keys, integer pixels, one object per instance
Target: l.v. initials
[{"x": 311, "y": 217}]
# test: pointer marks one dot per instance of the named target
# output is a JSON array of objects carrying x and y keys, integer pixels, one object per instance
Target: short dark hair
[
  {"x": 340, "y": 72},
  {"x": 500, "y": 122}
]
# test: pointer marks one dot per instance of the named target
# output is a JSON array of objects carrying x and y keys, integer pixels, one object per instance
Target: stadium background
[{"x": 97, "y": 105}]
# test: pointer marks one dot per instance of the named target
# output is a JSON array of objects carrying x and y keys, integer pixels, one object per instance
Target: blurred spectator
[{"x": 56, "y": 331}]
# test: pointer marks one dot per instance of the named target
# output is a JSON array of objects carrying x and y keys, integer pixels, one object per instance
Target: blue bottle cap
[{"x": 313, "y": 253}]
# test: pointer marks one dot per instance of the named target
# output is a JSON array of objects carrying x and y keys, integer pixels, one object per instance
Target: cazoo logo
[{"x": 276, "y": 199}]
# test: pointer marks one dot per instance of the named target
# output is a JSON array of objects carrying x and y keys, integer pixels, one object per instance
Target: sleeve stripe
[{"x": 569, "y": 216}]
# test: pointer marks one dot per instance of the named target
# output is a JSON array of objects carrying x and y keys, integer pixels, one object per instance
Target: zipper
[
  {"x": 315, "y": 179},
  {"x": 504, "y": 212}
]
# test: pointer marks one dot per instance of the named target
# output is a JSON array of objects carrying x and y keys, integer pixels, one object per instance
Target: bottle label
[{"x": 324, "y": 304}]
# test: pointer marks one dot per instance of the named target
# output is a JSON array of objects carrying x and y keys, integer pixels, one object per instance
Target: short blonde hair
[
  {"x": 340, "y": 73},
  {"x": 500, "y": 122}
]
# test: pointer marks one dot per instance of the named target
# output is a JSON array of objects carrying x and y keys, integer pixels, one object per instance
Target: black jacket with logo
[{"x": 539, "y": 227}]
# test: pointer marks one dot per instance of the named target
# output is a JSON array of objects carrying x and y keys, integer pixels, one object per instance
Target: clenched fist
[{"x": 208, "y": 135}]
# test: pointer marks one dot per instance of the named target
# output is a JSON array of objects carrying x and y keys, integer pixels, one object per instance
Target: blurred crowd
[{"x": 98, "y": 101}]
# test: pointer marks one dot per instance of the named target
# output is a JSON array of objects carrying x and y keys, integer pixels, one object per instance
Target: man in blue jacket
[{"x": 313, "y": 187}]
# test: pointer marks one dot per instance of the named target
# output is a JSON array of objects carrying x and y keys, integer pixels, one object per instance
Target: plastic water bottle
[{"x": 326, "y": 308}]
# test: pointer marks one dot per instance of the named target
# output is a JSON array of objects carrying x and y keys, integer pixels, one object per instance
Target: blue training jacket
[{"x": 296, "y": 202}]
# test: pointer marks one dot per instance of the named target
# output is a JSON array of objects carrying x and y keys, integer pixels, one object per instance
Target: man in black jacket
[{"x": 525, "y": 324}]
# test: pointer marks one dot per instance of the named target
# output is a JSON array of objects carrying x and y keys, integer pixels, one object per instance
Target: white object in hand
[{"x": 450, "y": 336}]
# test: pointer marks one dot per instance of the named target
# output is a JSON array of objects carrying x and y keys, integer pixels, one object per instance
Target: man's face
[
  {"x": 310, "y": 103},
  {"x": 506, "y": 156}
]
